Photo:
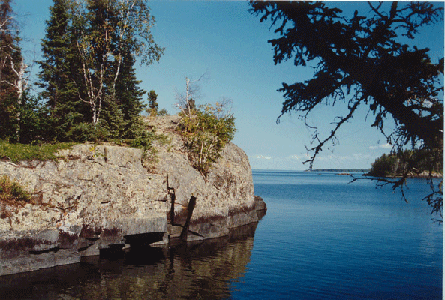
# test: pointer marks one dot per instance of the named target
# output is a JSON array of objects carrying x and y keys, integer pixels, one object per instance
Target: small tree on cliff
[
  {"x": 186, "y": 101},
  {"x": 152, "y": 103},
  {"x": 206, "y": 129},
  {"x": 206, "y": 132}
]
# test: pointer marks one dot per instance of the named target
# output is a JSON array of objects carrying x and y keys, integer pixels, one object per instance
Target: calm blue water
[{"x": 321, "y": 238}]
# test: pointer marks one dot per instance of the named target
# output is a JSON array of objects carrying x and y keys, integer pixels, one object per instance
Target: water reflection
[{"x": 193, "y": 271}]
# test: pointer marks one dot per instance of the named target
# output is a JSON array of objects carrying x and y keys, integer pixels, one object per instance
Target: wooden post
[
  {"x": 171, "y": 193},
  {"x": 190, "y": 208}
]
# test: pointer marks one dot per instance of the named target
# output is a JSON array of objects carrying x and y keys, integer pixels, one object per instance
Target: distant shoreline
[
  {"x": 411, "y": 175},
  {"x": 317, "y": 170},
  {"x": 340, "y": 170},
  {"x": 366, "y": 172}
]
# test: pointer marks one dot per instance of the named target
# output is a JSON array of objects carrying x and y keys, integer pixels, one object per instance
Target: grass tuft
[
  {"x": 12, "y": 192},
  {"x": 18, "y": 152}
]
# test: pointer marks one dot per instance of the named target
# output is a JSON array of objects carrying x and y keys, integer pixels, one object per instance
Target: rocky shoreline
[
  {"x": 218, "y": 260},
  {"x": 98, "y": 198},
  {"x": 36, "y": 250}
]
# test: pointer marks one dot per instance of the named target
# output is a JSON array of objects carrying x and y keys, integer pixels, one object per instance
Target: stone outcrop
[{"x": 97, "y": 197}]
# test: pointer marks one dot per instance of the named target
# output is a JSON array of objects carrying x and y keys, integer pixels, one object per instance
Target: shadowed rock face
[
  {"x": 197, "y": 270},
  {"x": 97, "y": 197}
]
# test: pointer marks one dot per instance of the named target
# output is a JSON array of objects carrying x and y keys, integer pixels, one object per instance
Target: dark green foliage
[
  {"x": 407, "y": 163},
  {"x": 129, "y": 98},
  {"x": 58, "y": 54},
  {"x": 384, "y": 166},
  {"x": 8, "y": 112},
  {"x": 113, "y": 119},
  {"x": 33, "y": 124},
  {"x": 60, "y": 72},
  {"x": 36, "y": 124},
  {"x": 163, "y": 112},
  {"x": 144, "y": 140},
  {"x": 84, "y": 132},
  {"x": 152, "y": 103}
]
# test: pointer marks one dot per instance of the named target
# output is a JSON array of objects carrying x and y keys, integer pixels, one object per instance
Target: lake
[{"x": 322, "y": 238}]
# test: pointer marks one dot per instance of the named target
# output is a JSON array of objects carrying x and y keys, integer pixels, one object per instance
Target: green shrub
[
  {"x": 11, "y": 191},
  {"x": 87, "y": 132},
  {"x": 205, "y": 132},
  {"x": 18, "y": 152},
  {"x": 163, "y": 112},
  {"x": 144, "y": 140}
]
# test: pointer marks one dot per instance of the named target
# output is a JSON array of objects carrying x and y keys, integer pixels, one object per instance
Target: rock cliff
[{"x": 98, "y": 197}]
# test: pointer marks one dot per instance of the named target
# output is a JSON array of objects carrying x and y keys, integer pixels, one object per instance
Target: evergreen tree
[
  {"x": 129, "y": 96},
  {"x": 35, "y": 123},
  {"x": 152, "y": 103},
  {"x": 55, "y": 48},
  {"x": 53, "y": 76},
  {"x": 60, "y": 71}
]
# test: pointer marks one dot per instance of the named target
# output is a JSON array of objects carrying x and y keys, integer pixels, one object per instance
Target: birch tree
[
  {"x": 107, "y": 36},
  {"x": 109, "y": 30},
  {"x": 12, "y": 72}
]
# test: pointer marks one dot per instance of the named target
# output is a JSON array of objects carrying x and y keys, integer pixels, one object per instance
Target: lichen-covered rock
[{"x": 97, "y": 196}]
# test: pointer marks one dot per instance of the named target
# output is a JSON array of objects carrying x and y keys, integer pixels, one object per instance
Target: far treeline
[
  {"x": 87, "y": 81},
  {"x": 408, "y": 163}
]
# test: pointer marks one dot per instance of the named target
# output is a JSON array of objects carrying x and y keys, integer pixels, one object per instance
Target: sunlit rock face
[{"x": 105, "y": 196}]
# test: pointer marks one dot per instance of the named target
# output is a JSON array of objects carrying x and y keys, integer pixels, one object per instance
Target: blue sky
[{"x": 223, "y": 40}]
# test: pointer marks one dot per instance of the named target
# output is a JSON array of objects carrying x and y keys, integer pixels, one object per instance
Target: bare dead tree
[{"x": 186, "y": 101}]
